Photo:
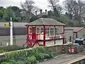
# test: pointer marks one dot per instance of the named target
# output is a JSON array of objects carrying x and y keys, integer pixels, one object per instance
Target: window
[
  {"x": 42, "y": 30},
  {"x": 30, "y": 30},
  {"x": 38, "y": 30},
  {"x": 51, "y": 31},
  {"x": 47, "y": 31},
  {"x": 56, "y": 31}
]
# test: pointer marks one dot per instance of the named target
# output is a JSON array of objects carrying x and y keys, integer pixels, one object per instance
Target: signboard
[{"x": 6, "y": 24}]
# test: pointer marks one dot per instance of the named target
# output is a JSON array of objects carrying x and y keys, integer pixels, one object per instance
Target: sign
[{"x": 6, "y": 24}]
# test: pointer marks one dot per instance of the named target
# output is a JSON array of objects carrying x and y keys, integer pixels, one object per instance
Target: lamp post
[{"x": 11, "y": 31}]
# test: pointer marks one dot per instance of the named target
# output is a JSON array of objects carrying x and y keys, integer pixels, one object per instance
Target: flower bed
[{"x": 31, "y": 56}]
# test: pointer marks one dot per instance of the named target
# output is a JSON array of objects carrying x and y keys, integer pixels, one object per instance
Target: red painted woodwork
[
  {"x": 55, "y": 30},
  {"x": 34, "y": 33},
  {"x": 44, "y": 35},
  {"x": 44, "y": 25},
  {"x": 34, "y": 38}
]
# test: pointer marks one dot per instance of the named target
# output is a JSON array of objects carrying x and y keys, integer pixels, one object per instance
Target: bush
[
  {"x": 42, "y": 49},
  {"x": 2, "y": 50},
  {"x": 5, "y": 63},
  {"x": 12, "y": 48},
  {"x": 40, "y": 57},
  {"x": 32, "y": 59},
  {"x": 46, "y": 56},
  {"x": 12, "y": 61},
  {"x": 29, "y": 56},
  {"x": 52, "y": 54},
  {"x": 20, "y": 62}
]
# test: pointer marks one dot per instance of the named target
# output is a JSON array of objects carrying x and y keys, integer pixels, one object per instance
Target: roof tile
[{"x": 45, "y": 21}]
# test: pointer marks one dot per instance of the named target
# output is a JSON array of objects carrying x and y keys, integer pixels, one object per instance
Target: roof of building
[
  {"x": 45, "y": 21},
  {"x": 75, "y": 29}
]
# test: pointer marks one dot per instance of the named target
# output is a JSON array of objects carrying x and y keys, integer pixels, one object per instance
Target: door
[{"x": 33, "y": 32}]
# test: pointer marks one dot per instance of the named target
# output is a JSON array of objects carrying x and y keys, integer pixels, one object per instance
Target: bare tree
[
  {"x": 27, "y": 6},
  {"x": 76, "y": 8},
  {"x": 54, "y": 4}
]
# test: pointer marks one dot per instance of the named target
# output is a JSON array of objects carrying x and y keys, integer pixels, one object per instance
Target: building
[
  {"x": 43, "y": 31},
  {"x": 71, "y": 33},
  {"x": 20, "y": 31}
]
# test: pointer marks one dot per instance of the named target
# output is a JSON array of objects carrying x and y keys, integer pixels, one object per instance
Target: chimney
[
  {"x": 46, "y": 12},
  {"x": 41, "y": 13},
  {"x": 35, "y": 13}
]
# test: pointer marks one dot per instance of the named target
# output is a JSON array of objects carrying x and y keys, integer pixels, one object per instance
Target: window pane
[
  {"x": 47, "y": 31},
  {"x": 38, "y": 30},
  {"x": 30, "y": 30},
  {"x": 42, "y": 30},
  {"x": 56, "y": 30},
  {"x": 51, "y": 31}
]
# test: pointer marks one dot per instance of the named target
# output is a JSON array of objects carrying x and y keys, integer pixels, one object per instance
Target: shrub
[
  {"x": 1, "y": 50},
  {"x": 12, "y": 48},
  {"x": 42, "y": 49},
  {"x": 40, "y": 57},
  {"x": 52, "y": 54},
  {"x": 12, "y": 61},
  {"x": 29, "y": 56},
  {"x": 20, "y": 62},
  {"x": 27, "y": 62},
  {"x": 46, "y": 56},
  {"x": 32, "y": 59},
  {"x": 5, "y": 63}
]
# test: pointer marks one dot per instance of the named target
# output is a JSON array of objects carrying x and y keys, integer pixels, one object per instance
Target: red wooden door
[{"x": 33, "y": 32}]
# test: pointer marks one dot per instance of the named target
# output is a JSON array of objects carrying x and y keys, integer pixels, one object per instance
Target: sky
[{"x": 43, "y": 4}]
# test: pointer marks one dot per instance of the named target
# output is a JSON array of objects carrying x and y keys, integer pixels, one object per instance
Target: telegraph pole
[{"x": 11, "y": 31}]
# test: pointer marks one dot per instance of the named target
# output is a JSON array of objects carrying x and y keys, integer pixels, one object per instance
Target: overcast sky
[{"x": 43, "y": 4}]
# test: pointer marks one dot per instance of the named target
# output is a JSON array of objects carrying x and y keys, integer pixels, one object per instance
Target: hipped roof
[{"x": 45, "y": 21}]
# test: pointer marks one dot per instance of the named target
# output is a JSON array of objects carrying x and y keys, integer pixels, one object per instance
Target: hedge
[{"x": 31, "y": 56}]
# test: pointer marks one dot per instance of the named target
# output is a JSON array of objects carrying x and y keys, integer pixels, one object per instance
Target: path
[{"x": 64, "y": 59}]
